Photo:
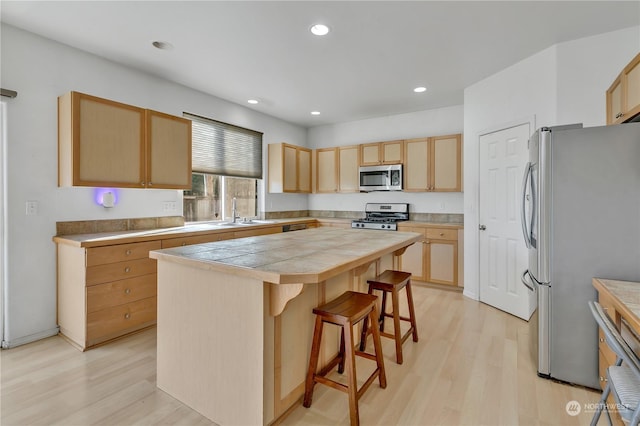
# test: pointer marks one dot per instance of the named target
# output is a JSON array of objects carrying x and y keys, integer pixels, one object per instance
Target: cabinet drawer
[
  {"x": 116, "y": 293},
  {"x": 113, "y": 322},
  {"x": 196, "y": 239},
  {"x": 119, "y": 271},
  {"x": 120, "y": 252},
  {"x": 442, "y": 234}
]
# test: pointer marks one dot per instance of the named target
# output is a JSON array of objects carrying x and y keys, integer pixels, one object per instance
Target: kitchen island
[{"x": 235, "y": 317}]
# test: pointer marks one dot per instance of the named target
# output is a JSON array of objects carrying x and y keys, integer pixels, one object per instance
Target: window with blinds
[{"x": 223, "y": 149}]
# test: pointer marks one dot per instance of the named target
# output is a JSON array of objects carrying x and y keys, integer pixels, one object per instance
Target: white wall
[
  {"x": 40, "y": 70},
  {"x": 442, "y": 121},
  {"x": 563, "y": 84}
]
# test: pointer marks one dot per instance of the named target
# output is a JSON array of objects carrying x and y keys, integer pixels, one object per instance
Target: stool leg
[
  {"x": 365, "y": 326},
  {"x": 382, "y": 378},
  {"x": 383, "y": 309},
  {"x": 396, "y": 325},
  {"x": 341, "y": 363},
  {"x": 351, "y": 375},
  {"x": 313, "y": 363},
  {"x": 412, "y": 313}
]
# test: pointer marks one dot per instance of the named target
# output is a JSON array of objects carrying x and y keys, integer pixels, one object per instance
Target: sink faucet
[{"x": 234, "y": 210}]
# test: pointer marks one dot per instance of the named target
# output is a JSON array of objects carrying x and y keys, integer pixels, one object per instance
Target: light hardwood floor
[{"x": 471, "y": 366}]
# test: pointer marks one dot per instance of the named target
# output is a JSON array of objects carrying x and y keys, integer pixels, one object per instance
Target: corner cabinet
[
  {"x": 289, "y": 168},
  {"x": 336, "y": 169},
  {"x": 436, "y": 258},
  {"x": 433, "y": 164},
  {"x": 623, "y": 96},
  {"x": 103, "y": 143}
]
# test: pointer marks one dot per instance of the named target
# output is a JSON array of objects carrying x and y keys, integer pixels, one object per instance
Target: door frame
[
  {"x": 531, "y": 120},
  {"x": 3, "y": 217}
]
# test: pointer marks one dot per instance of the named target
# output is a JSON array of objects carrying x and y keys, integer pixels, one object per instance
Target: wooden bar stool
[
  {"x": 392, "y": 282},
  {"x": 345, "y": 311}
]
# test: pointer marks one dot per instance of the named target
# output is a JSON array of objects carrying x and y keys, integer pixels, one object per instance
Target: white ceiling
[{"x": 367, "y": 66}]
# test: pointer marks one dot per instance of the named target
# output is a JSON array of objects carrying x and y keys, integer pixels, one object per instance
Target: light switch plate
[{"x": 31, "y": 208}]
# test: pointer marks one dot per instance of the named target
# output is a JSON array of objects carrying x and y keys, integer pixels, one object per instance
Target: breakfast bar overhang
[{"x": 235, "y": 317}]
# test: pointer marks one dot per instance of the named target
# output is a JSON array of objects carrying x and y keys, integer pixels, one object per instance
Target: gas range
[{"x": 382, "y": 216}]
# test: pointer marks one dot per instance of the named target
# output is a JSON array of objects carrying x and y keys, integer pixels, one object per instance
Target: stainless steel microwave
[{"x": 381, "y": 178}]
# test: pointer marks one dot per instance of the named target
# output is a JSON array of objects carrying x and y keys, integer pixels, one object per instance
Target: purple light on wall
[{"x": 98, "y": 195}]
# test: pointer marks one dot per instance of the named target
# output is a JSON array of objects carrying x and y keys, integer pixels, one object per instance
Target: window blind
[{"x": 223, "y": 149}]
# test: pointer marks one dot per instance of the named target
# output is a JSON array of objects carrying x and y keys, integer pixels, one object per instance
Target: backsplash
[{"x": 115, "y": 225}]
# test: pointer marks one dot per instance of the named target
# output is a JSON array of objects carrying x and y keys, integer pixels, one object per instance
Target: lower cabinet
[
  {"x": 105, "y": 292},
  {"x": 435, "y": 258}
]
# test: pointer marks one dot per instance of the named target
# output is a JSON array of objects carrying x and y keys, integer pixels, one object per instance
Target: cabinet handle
[
  {"x": 141, "y": 183},
  {"x": 128, "y": 252},
  {"x": 601, "y": 340},
  {"x": 620, "y": 114},
  {"x": 603, "y": 379},
  {"x": 442, "y": 234},
  {"x": 184, "y": 244},
  {"x": 150, "y": 184},
  {"x": 127, "y": 291},
  {"x": 127, "y": 315},
  {"x": 127, "y": 269}
]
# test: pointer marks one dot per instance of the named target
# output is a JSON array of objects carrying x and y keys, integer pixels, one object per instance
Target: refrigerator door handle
[
  {"x": 523, "y": 214},
  {"x": 527, "y": 282}
]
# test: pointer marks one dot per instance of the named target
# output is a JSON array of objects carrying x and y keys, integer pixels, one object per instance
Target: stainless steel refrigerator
[{"x": 580, "y": 220}]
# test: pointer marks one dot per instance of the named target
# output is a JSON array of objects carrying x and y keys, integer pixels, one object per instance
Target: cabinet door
[
  {"x": 446, "y": 159},
  {"x": 392, "y": 152},
  {"x": 632, "y": 88},
  {"x": 290, "y": 168},
  {"x": 442, "y": 262},
  {"x": 326, "y": 170},
  {"x": 416, "y": 164},
  {"x": 100, "y": 142},
  {"x": 614, "y": 102},
  {"x": 349, "y": 160},
  {"x": 168, "y": 151},
  {"x": 413, "y": 259},
  {"x": 304, "y": 170},
  {"x": 370, "y": 154}
]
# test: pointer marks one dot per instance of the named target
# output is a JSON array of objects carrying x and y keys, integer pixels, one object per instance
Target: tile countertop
[
  {"x": 122, "y": 237},
  {"x": 307, "y": 256},
  {"x": 627, "y": 293}
]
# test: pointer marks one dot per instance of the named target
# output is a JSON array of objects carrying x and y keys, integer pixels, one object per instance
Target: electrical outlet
[
  {"x": 169, "y": 206},
  {"x": 31, "y": 208},
  {"x": 442, "y": 207}
]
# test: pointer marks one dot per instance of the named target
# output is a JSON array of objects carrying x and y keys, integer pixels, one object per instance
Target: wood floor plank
[{"x": 472, "y": 365}]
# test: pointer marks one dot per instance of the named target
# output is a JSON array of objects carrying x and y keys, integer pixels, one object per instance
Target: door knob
[{"x": 482, "y": 227}]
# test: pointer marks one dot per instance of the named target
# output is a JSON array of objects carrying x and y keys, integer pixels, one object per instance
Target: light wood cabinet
[
  {"x": 623, "y": 96},
  {"x": 372, "y": 154},
  {"x": 110, "y": 144},
  {"x": 289, "y": 168},
  {"x": 105, "y": 292},
  {"x": 433, "y": 164},
  {"x": 326, "y": 171},
  {"x": 435, "y": 258},
  {"x": 337, "y": 169},
  {"x": 348, "y": 169}
]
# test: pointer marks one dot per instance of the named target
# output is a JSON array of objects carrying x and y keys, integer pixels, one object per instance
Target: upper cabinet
[
  {"x": 623, "y": 97},
  {"x": 289, "y": 168},
  {"x": 433, "y": 164},
  {"x": 337, "y": 169},
  {"x": 106, "y": 143},
  {"x": 372, "y": 154}
]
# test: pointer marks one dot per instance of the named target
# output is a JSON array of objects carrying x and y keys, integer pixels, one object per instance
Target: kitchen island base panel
[
  {"x": 260, "y": 372},
  {"x": 210, "y": 342}
]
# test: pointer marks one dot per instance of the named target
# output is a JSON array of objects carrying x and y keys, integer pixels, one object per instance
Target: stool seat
[
  {"x": 345, "y": 311},
  {"x": 392, "y": 282}
]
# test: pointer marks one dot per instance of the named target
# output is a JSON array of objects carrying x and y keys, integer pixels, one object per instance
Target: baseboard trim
[{"x": 8, "y": 344}]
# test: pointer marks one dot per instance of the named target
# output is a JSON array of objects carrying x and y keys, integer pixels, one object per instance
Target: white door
[{"x": 503, "y": 254}]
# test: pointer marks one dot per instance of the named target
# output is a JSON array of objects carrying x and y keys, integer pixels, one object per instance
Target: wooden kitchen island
[{"x": 235, "y": 317}]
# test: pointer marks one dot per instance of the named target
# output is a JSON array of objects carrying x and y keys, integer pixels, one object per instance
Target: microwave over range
[{"x": 381, "y": 178}]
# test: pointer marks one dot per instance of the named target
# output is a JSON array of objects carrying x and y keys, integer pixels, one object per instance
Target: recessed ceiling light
[
  {"x": 315, "y": 112},
  {"x": 420, "y": 89},
  {"x": 320, "y": 29},
  {"x": 252, "y": 101},
  {"x": 162, "y": 45}
]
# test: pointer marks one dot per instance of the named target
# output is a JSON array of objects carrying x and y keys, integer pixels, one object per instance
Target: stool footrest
[{"x": 331, "y": 383}]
